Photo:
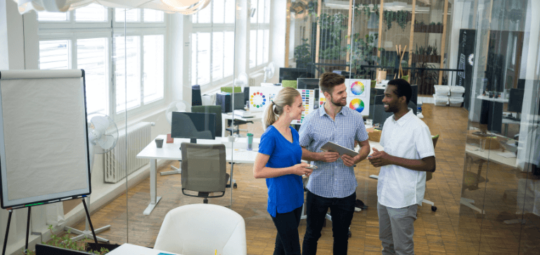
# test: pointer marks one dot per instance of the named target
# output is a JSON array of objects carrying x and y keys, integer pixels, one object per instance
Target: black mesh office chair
[{"x": 204, "y": 170}]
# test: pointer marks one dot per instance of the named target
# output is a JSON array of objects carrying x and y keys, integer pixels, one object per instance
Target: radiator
[
  {"x": 256, "y": 79},
  {"x": 119, "y": 160}
]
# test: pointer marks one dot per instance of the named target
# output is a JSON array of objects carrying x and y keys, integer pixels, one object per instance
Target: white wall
[{"x": 278, "y": 22}]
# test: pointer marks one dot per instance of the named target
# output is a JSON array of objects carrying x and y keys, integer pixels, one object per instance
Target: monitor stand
[{"x": 191, "y": 140}]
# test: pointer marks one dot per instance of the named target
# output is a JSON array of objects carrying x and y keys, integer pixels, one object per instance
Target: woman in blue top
[{"x": 278, "y": 161}]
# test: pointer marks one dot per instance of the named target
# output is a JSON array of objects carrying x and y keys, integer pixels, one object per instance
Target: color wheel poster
[
  {"x": 259, "y": 97},
  {"x": 358, "y": 92},
  {"x": 308, "y": 100}
]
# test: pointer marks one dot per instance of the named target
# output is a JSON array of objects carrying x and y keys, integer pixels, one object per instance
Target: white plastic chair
[{"x": 202, "y": 229}]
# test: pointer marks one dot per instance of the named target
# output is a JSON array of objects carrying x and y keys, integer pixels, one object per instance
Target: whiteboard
[{"x": 44, "y": 154}]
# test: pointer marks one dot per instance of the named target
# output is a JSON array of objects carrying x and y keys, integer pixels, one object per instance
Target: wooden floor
[{"x": 450, "y": 230}]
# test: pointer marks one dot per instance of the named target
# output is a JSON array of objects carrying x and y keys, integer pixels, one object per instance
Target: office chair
[
  {"x": 230, "y": 89},
  {"x": 202, "y": 229},
  {"x": 235, "y": 126},
  {"x": 429, "y": 176},
  {"x": 204, "y": 170}
]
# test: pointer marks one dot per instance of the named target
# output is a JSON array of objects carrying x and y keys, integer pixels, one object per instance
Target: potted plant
[
  {"x": 302, "y": 54},
  {"x": 427, "y": 54},
  {"x": 65, "y": 242}
]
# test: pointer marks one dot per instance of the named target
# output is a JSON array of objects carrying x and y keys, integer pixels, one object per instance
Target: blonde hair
[{"x": 285, "y": 97}]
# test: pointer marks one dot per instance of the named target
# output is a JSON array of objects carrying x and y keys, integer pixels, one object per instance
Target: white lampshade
[{"x": 187, "y": 6}]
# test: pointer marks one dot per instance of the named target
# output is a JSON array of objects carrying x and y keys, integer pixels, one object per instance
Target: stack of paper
[{"x": 243, "y": 114}]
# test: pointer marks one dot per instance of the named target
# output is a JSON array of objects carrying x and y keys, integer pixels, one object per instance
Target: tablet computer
[{"x": 330, "y": 146}]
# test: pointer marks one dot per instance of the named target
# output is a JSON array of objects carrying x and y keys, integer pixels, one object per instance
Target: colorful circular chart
[
  {"x": 257, "y": 99},
  {"x": 357, "y": 105},
  {"x": 357, "y": 88}
]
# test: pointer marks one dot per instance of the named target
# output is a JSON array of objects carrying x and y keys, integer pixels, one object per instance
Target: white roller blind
[
  {"x": 91, "y": 13},
  {"x": 93, "y": 57},
  {"x": 132, "y": 15},
  {"x": 133, "y": 59},
  {"x": 153, "y": 68},
  {"x": 153, "y": 16},
  {"x": 54, "y": 54}
]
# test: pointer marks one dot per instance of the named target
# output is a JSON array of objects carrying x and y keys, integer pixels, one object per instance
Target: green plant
[
  {"x": 66, "y": 243},
  {"x": 362, "y": 51},
  {"x": 398, "y": 16},
  {"x": 331, "y": 45},
  {"x": 302, "y": 54},
  {"x": 312, "y": 8}
]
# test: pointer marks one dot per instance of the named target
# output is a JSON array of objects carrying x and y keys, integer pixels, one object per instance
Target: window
[
  {"x": 259, "y": 32},
  {"x": 106, "y": 56},
  {"x": 93, "y": 57},
  {"x": 54, "y": 54},
  {"x": 212, "y": 44}
]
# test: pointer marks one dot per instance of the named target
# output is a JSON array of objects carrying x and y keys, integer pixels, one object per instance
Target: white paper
[
  {"x": 358, "y": 95},
  {"x": 44, "y": 139},
  {"x": 260, "y": 97}
]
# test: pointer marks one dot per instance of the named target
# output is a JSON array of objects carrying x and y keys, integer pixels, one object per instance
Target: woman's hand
[{"x": 300, "y": 169}]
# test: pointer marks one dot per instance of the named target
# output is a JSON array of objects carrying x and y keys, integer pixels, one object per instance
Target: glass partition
[
  {"x": 93, "y": 38},
  {"x": 498, "y": 198}
]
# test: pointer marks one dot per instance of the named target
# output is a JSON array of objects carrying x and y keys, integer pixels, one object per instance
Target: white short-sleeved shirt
[{"x": 409, "y": 138}]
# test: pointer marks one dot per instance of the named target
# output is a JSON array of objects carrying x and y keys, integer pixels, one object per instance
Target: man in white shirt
[{"x": 408, "y": 154}]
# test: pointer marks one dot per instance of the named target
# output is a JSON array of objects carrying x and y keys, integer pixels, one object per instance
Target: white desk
[
  {"x": 493, "y": 99},
  {"x": 484, "y": 156},
  {"x": 229, "y": 116},
  {"x": 171, "y": 151},
  {"x": 131, "y": 249}
]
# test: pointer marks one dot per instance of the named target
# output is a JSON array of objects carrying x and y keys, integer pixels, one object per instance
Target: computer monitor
[
  {"x": 246, "y": 95},
  {"x": 193, "y": 125},
  {"x": 307, "y": 83},
  {"x": 292, "y": 73},
  {"x": 521, "y": 84},
  {"x": 515, "y": 101},
  {"x": 380, "y": 115},
  {"x": 239, "y": 102}
]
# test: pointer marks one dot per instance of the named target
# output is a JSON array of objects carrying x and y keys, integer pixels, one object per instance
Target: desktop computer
[
  {"x": 239, "y": 101},
  {"x": 292, "y": 74},
  {"x": 193, "y": 125},
  {"x": 515, "y": 100},
  {"x": 308, "y": 83}
]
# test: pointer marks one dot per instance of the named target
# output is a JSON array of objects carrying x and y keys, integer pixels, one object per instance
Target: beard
[
  {"x": 391, "y": 108},
  {"x": 338, "y": 103}
]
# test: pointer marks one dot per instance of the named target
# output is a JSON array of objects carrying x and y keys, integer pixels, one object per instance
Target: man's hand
[
  {"x": 328, "y": 156},
  {"x": 379, "y": 158},
  {"x": 350, "y": 161}
]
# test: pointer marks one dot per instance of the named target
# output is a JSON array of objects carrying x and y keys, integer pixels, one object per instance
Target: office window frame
[
  {"x": 73, "y": 30},
  {"x": 211, "y": 28},
  {"x": 256, "y": 26}
]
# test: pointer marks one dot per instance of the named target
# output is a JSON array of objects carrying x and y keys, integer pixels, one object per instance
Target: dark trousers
[
  {"x": 341, "y": 210},
  {"x": 287, "y": 240}
]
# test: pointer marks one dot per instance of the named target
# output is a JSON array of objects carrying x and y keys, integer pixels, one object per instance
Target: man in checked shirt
[{"x": 333, "y": 184}]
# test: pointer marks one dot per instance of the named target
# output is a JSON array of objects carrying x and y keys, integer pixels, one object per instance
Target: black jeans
[
  {"x": 287, "y": 239},
  {"x": 341, "y": 209}
]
